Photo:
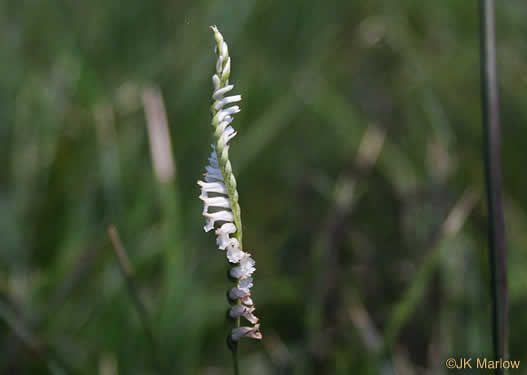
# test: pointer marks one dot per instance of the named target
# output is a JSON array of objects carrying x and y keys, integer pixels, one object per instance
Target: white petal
[
  {"x": 216, "y": 201},
  {"x": 243, "y": 295},
  {"x": 249, "y": 332},
  {"x": 227, "y": 135},
  {"x": 213, "y": 187},
  {"x": 237, "y": 293},
  {"x": 245, "y": 269},
  {"x": 241, "y": 310},
  {"x": 250, "y": 316},
  {"x": 220, "y": 216},
  {"x": 222, "y": 242},
  {"x": 234, "y": 254},
  {"x": 228, "y": 228},
  {"x": 209, "y": 225},
  {"x": 227, "y": 68},
  {"x": 237, "y": 272},
  {"x": 203, "y": 196},
  {"x": 218, "y": 93},
  {"x": 234, "y": 244},
  {"x": 231, "y": 110},
  {"x": 247, "y": 301},
  {"x": 219, "y": 64},
  {"x": 225, "y": 122},
  {"x": 226, "y": 112},
  {"x": 245, "y": 284},
  {"x": 228, "y": 100},
  {"x": 224, "y": 50},
  {"x": 236, "y": 311},
  {"x": 223, "y": 125},
  {"x": 216, "y": 82}
]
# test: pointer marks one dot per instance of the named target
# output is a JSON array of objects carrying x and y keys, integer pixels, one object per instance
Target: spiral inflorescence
[{"x": 220, "y": 198}]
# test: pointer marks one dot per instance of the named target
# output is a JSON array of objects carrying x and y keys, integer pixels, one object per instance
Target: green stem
[
  {"x": 131, "y": 282},
  {"x": 235, "y": 360},
  {"x": 230, "y": 183},
  {"x": 493, "y": 179}
]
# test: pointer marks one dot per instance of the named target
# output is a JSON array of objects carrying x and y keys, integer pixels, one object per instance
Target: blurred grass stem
[
  {"x": 158, "y": 134},
  {"x": 55, "y": 363},
  {"x": 452, "y": 225},
  {"x": 493, "y": 179},
  {"x": 128, "y": 273}
]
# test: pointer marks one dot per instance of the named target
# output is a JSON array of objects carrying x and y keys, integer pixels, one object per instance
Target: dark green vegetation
[{"x": 360, "y": 134}]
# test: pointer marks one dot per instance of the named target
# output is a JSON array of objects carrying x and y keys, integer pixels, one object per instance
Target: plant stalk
[
  {"x": 129, "y": 276},
  {"x": 493, "y": 180},
  {"x": 235, "y": 360}
]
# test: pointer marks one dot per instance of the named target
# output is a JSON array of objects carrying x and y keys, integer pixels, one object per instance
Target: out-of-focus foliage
[{"x": 354, "y": 271}]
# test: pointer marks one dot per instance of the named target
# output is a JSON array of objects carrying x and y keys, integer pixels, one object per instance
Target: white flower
[
  {"x": 218, "y": 93},
  {"x": 228, "y": 134},
  {"x": 241, "y": 310},
  {"x": 243, "y": 295},
  {"x": 223, "y": 240},
  {"x": 246, "y": 284},
  {"x": 245, "y": 269},
  {"x": 234, "y": 254},
  {"x": 228, "y": 100},
  {"x": 212, "y": 187},
  {"x": 218, "y": 201},
  {"x": 225, "y": 115},
  {"x": 238, "y": 293},
  {"x": 216, "y": 216},
  {"x": 249, "y": 332}
]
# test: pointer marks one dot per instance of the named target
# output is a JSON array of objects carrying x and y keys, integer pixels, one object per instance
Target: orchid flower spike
[{"x": 220, "y": 198}]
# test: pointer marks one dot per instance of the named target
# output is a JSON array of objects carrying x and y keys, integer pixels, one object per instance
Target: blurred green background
[{"x": 359, "y": 164}]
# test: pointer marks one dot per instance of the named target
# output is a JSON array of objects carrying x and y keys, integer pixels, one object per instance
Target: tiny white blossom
[
  {"x": 246, "y": 284},
  {"x": 241, "y": 310},
  {"x": 218, "y": 93},
  {"x": 243, "y": 295},
  {"x": 227, "y": 135},
  {"x": 223, "y": 240},
  {"x": 216, "y": 83},
  {"x": 218, "y": 201},
  {"x": 213, "y": 187},
  {"x": 250, "y": 332},
  {"x": 234, "y": 254},
  {"x": 245, "y": 269},
  {"x": 228, "y": 100},
  {"x": 217, "y": 216}
]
